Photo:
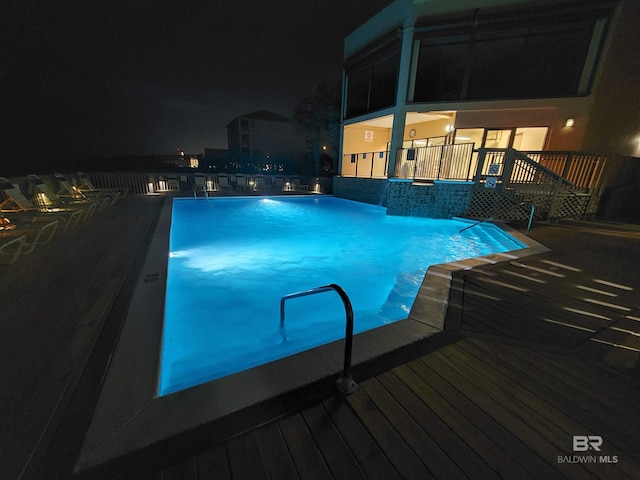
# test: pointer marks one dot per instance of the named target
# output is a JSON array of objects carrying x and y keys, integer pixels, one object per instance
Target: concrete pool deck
[{"x": 38, "y": 448}]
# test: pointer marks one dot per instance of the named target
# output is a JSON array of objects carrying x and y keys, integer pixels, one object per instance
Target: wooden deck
[
  {"x": 474, "y": 409},
  {"x": 583, "y": 298},
  {"x": 545, "y": 351}
]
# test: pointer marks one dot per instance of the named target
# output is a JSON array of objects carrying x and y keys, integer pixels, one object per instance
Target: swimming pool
[
  {"x": 232, "y": 259},
  {"x": 130, "y": 418}
]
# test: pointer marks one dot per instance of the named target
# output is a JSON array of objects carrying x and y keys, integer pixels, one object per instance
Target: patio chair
[
  {"x": 45, "y": 197},
  {"x": 71, "y": 192},
  {"x": 16, "y": 203}
]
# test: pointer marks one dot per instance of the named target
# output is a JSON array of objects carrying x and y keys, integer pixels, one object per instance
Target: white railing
[
  {"x": 365, "y": 164},
  {"x": 439, "y": 162}
]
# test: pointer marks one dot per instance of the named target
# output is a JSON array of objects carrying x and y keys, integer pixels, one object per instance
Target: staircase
[{"x": 506, "y": 178}]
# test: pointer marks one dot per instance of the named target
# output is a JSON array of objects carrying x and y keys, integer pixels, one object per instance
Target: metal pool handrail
[{"x": 345, "y": 385}]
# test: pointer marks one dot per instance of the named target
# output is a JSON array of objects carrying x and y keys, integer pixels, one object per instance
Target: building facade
[
  {"x": 529, "y": 75},
  {"x": 264, "y": 141}
]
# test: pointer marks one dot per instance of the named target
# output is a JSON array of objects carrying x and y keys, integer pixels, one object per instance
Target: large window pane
[
  {"x": 553, "y": 63},
  {"x": 383, "y": 83},
  {"x": 440, "y": 71},
  {"x": 529, "y": 57},
  {"x": 496, "y": 68},
  {"x": 357, "y": 93}
]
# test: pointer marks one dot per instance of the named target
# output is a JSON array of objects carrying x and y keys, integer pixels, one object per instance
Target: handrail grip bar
[{"x": 345, "y": 384}]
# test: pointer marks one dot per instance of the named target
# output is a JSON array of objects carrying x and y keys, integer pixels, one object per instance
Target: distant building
[
  {"x": 264, "y": 141},
  {"x": 215, "y": 160},
  {"x": 531, "y": 75}
]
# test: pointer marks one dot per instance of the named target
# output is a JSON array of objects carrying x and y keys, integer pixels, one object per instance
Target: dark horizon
[{"x": 98, "y": 80}]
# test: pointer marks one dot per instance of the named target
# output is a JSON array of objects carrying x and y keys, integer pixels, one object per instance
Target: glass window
[
  {"x": 440, "y": 71},
  {"x": 527, "y": 55},
  {"x": 357, "y": 93},
  {"x": 384, "y": 78},
  {"x": 496, "y": 69}
]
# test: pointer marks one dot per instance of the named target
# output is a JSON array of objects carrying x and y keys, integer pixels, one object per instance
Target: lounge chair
[
  {"x": 260, "y": 182},
  {"x": 36, "y": 231},
  {"x": 172, "y": 182},
  {"x": 85, "y": 185},
  {"x": 10, "y": 248},
  {"x": 296, "y": 185},
  {"x": 45, "y": 197},
  {"x": 241, "y": 182},
  {"x": 278, "y": 182},
  {"x": 16, "y": 203},
  {"x": 199, "y": 184},
  {"x": 68, "y": 191},
  {"x": 223, "y": 183}
]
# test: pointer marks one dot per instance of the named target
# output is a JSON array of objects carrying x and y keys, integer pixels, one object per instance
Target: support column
[{"x": 400, "y": 110}]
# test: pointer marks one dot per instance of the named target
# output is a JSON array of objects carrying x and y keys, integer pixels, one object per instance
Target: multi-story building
[
  {"x": 433, "y": 86},
  {"x": 264, "y": 141}
]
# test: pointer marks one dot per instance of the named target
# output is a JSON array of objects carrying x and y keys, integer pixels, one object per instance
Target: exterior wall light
[{"x": 569, "y": 122}]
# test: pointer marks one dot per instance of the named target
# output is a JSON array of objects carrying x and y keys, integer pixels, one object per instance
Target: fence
[
  {"x": 146, "y": 183},
  {"x": 584, "y": 170},
  {"x": 366, "y": 164},
  {"x": 440, "y": 162}
]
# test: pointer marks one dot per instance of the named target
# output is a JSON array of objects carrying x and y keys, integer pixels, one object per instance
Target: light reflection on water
[{"x": 232, "y": 259}]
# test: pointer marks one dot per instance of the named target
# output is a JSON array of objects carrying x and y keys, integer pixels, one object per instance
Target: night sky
[{"x": 93, "y": 78}]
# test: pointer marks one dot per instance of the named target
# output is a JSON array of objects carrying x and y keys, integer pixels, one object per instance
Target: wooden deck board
[
  {"x": 503, "y": 400},
  {"x": 498, "y": 442},
  {"x": 244, "y": 459},
  {"x": 373, "y": 462},
  {"x": 454, "y": 448},
  {"x": 274, "y": 452},
  {"x": 213, "y": 464},
  {"x": 402, "y": 457},
  {"x": 547, "y": 385},
  {"x": 338, "y": 457},
  {"x": 417, "y": 438},
  {"x": 306, "y": 455}
]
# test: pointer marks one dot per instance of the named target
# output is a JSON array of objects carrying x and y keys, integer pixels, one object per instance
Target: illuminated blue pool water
[{"x": 232, "y": 260}]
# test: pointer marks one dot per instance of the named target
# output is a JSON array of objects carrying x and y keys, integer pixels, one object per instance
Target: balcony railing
[
  {"x": 440, "y": 162},
  {"x": 366, "y": 164}
]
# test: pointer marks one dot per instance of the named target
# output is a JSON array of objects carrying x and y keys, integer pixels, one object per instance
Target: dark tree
[{"x": 317, "y": 116}]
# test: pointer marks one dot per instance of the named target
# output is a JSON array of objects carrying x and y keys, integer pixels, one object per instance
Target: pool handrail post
[{"x": 345, "y": 384}]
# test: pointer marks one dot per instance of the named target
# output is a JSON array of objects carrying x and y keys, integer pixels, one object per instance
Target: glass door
[{"x": 497, "y": 138}]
